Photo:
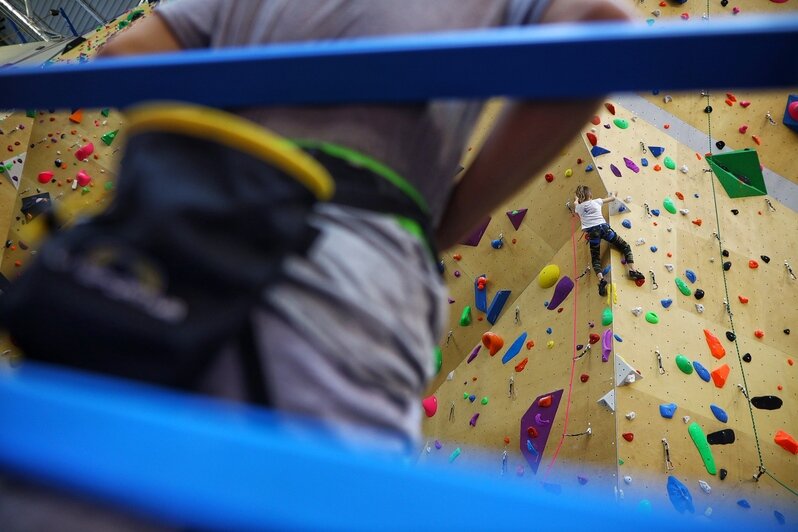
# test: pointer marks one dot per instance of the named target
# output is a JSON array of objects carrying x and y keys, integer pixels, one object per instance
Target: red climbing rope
[{"x": 573, "y": 354}]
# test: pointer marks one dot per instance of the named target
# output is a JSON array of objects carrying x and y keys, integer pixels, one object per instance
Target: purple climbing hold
[
  {"x": 438, "y": 445},
  {"x": 474, "y": 419},
  {"x": 667, "y": 410},
  {"x": 680, "y": 496},
  {"x": 719, "y": 413},
  {"x": 475, "y": 237},
  {"x": 606, "y": 345},
  {"x": 533, "y": 457},
  {"x": 615, "y": 170},
  {"x": 561, "y": 291},
  {"x": 516, "y": 217},
  {"x": 473, "y": 354},
  {"x": 630, "y": 164},
  {"x": 540, "y": 421}
]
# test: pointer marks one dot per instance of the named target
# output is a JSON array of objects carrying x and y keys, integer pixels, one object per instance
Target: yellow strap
[{"x": 237, "y": 133}]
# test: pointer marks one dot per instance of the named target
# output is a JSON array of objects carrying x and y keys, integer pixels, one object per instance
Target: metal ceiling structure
[{"x": 24, "y": 21}]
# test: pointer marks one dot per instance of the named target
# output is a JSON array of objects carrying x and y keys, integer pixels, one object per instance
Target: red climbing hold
[
  {"x": 532, "y": 432},
  {"x": 549, "y": 177},
  {"x": 83, "y": 152},
  {"x": 584, "y": 377},
  {"x": 698, "y": 222},
  {"x": 610, "y": 108},
  {"x": 759, "y": 333},
  {"x": 743, "y": 299},
  {"x": 493, "y": 342},
  {"x": 753, "y": 264},
  {"x": 457, "y": 256},
  {"x": 743, "y": 128},
  {"x": 595, "y": 120},
  {"x": 640, "y": 282},
  {"x": 790, "y": 361},
  {"x": 594, "y": 338},
  {"x": 714, "y": 344},
  {"x": 786, "y": 442},
  {"x": 521, "y": 365},
  {"x": 530, "y": 344},
  {"x": 592, "y": 138},
  {"x": 430, "y": 405},
  {"x": 83, "y": 178},
  {"x": 507, "y": 440},
  {"x": 544, "y": 402},
  {"x": 719, "y": 375},
  {"x": 680, "y": 195},
  {"x": 792, "y": 110},
  {"x": 744, "y": 104},
  {"x": 757, "y": 140},
  {"x": 628, "y": 436},
  {"x": 45, "y": 177}
]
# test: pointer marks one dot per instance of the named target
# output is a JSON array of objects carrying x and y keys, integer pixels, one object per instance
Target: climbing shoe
[
  {"x": 636, "y": 275},
  {"x": 603, "y": 288}
]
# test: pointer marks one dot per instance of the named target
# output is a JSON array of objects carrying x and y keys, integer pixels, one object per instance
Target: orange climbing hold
[
  {"x": 790, "y": 361},
  {"x": 493, "y": 342},
  {"x": 759, "y": 333},
  {"x": 698, "y": 222},
  {"x": 719, "y": 375},
  {"x": 757, "y": 140},
  {"x": 657, "y": 168},
  {"x": 544, "y": 402},
  {"x": 731, "y": 96},
  {"x": 714, "y": 344},
  {"x": 680, "y": 195},
  {"x": 753, "y": 264},
  {"x": 457, "y": 256},
  {"x": 743, "y": 299},
  {"x": 786, "y": 442},
  {"x": 521, "y": 365},
  {"x": 507, "y": 440},
  {"x": 76, "y": 117}
]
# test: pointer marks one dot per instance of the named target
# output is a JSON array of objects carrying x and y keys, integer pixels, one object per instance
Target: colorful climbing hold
[
  {"x": 669, "y": 163},
  {"x": 493, "y": 342},
  {"x": 683, "y": 288},
  {"x": 545, "y": 401},
  {"x": 109, "y": 137},
  {"x": 454, "y": 455},
  {"x": 684, "y": 364},
  {"x": 667, "y": 203},
  {"x": 606, "y": 317},
  {"x": 465, "y": 316},
  {"x": 44, "y": 177},
  {"x": 438, "y": 359},
  {"x": 83, "y": 153},
  {"x": 474, "y": 419},
  {"x": 720, "y": 374},
  {"x": 514, "y": 349},
  {"x": 620, "y": 123},
  {"x": 564, "y": 287},
  {"x": 701, "y": 371},
  {"x": 430, "y": 405},
  {"x": 719, "y": 413},
  {"x": 474, "y": 353},
  {"x": 715, "y": 347},
  {"x": 700, "y": 441},
  {"x": 521, "y": 365},
  {"x": 786, "y": 442},
  {"x": 628, "y": 436},
  {"x": 83, "y": 178},
  {"x": 679, "y": 496},
  {"x": 652, "y": 318},
  {"x": 548, "y": 276},
  {"x": 667, "y": 410}
]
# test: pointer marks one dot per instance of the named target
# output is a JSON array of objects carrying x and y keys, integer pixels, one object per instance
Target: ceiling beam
[
  {"x": 23, "y": 20},
  {"x": 86, "y": 5}
]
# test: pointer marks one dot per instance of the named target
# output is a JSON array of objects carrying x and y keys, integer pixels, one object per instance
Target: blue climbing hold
[
  {"x": 656, "y": 151},
  {"x": 621, "y": 208},
  {"x": 617, "y": 338},
  {"x": 606, "y": 270},
  {"x": 655, "y": 212},
  {"x": 653, "y": 249},
  {"x": 589, "y": 168},
  {"x": 441, "y": 267},
  {"x": 514, "y": 349},
  {"x": 667, "y": 302},
  {"x": 779, "y": 517},
  {"x": 472, "y": 397},
  {"x": 548, "y": 330},
  {"x": 720, "y": 414},
  {"x": 701, "y": 371},
  {"x": 531, "y": 448},
  {"x": 667, "y": 410},
  {"x": 644, "y": 162},
  {"x": 743, "y": 503},
  {"x": 497, "y": 244},
  {"x": 690, "y": 274},
  {"x": 627, "y": 224},
  {"x": 546, "y": 303},
  {"x": 680, "y": 496},
  {"x": 595, "y": 151}
]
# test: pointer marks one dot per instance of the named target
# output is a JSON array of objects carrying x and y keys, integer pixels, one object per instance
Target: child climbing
[{"x": 597, "y": 229}]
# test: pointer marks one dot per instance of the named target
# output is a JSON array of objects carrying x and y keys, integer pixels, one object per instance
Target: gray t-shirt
[{"x": 422, "y": 142}]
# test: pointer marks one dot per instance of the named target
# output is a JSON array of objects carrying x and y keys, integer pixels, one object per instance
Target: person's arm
[
  {"x": 149, "y": 35},
  {"x": 506, "y": 161},
  {"x": 609, "y": 199}
]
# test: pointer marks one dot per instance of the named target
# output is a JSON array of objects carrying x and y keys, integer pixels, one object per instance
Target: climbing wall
[
  {"x": 653, "y": 154},
  {"x": 67, "y": 158}
]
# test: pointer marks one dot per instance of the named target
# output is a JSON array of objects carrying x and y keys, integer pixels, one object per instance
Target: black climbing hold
[
  {"x": 721, "y": 437},
  {"x": 725, "y": 252},
  {"x": 9, "y": 243},
  {"x": 747, "y": 357},
  {"x": 579, "y": 347},
  {"x": 59, "y": 162},
  {"x": 723, "y": 473},
  {"x": 699, "y": 294},
  {"x": 720, "y": 144},
  {"x": 735, "y": 212},
  {"x": 767, "y": 402},
  {"x": 765, "y": 258},
  {"x": 708, "y": 109},
  {"x": 731, "y": 336},
  {"x": 23, "y": 246},
  {"x": 724, "y": 3},
  {"x": 727, "y": 265},
  {"x": 786, "y": 331},
  {"x": 441, "y": 267}
]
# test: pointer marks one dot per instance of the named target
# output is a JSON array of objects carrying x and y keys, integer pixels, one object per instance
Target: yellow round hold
[{"x": 548, "y": 276}]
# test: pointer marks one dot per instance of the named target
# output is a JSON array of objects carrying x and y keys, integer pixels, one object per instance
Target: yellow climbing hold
[
  {"x": 550, "y": 344},
  {"x": 548, "y": 276},
  {"x": 569, "y": 173}
]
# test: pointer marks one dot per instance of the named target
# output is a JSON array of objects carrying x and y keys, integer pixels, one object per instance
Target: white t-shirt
[{"x": 590, "y": 213}]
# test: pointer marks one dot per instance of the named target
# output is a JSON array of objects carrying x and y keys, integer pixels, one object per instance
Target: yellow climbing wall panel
[{"x": 16, "y": 128}]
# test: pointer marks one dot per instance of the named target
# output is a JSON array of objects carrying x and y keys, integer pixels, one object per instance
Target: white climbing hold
[
  {"x": 669, "y": 229},
  {"x": 656, "y": 13},
  {"x": 711, "y": 259},
  {"x": 450, "y": 376},
  {"x": 668, "y": 98},
  {"x": 608, "y": 400},
  {"x": 628, "y": 199},
  {"x": 705, "y": 487},
  {"x": 686, "y": 419},
  {"x": 630, "y": 416},
  {"x": 708, "y": 511},
  {"x": 684, "y": 169},
  {"x": 684, "y": 212},
  {"x": 640, "y": 241},
  {"x": 637, "y": 311},
  {"x": 627, "y": 479},
  {"x": 669, "y": 267},
  {"x": 699, "y": 307}
]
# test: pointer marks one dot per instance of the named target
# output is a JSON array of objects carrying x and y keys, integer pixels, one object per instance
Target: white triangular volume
[
  {"x": 12, "y": 168},
  {"x": 624, "y": 373},
  {"x": 608, "y": 400},
  {"x": 618, "y": 207}
]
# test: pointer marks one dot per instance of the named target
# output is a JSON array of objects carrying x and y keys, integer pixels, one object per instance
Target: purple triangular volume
[
  {"x": 516, "y": 217},
  {"x": 476, "y": 236},
  {"x": 542, "y": 419}
]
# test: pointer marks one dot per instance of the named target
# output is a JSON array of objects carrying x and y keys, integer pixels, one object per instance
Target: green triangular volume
[{"x": 739, "y": 172}]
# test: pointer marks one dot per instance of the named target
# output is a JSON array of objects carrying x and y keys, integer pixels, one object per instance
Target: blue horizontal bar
[{"x": 549, "y": 61}]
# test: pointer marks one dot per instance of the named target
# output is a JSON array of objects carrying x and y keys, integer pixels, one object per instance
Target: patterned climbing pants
[{"x": 601, "y": 232}]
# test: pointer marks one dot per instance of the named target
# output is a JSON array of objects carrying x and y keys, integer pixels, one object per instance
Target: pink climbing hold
[
  {"x": 84, "y": 151},
  {"x": 430, "y": 405},
  {"x": 792, "y": 110},
  {"x": 45, "y": 177},
  {"x": 83, "y": 178}
]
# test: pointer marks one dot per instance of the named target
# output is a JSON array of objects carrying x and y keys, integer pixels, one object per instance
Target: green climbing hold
[
  {"x": 669, "y": 206},
  {"x": 105, "y": 112},
  {"x": 683, "y": 288},
  {"x": 109, "y": 185},
  {"x": 620, "y": 461},
  {"x": 109, "y": 137},
  {"x": 438, "y": 352},
  {"x": 700, "y": 440},
  {"x": 606, "y": 317},
  {"x": 30, "y": 113},
  {"x": 669, "y": 164},
  {"x": 652, "y": 317},
  {"x": 465, "y": 317},
  {"x": 465, "y": 395},
  {"x": 621, "y": 123},
  {"x": 684, "y": 364},
  {"x": 122, "y": 24},
  {"x": 484, "y": 400},
  {"x": 85, "y": 190}
]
